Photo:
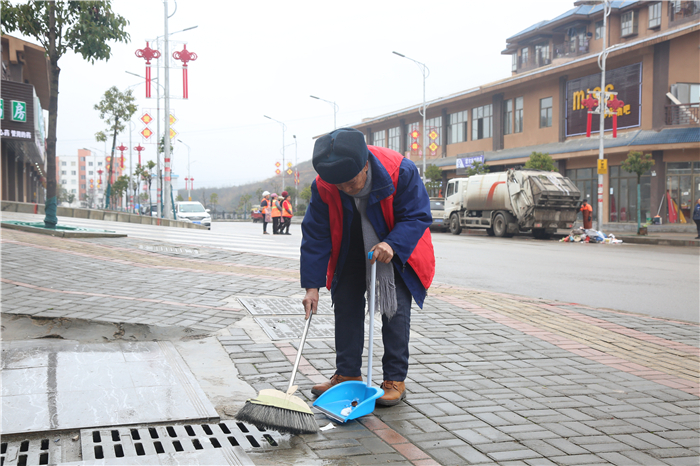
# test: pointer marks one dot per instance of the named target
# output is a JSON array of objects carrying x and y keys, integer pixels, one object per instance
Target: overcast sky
[{"x": 267, "y": 57}]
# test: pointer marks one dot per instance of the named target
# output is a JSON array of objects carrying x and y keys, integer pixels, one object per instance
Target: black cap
[{"x": 340, "y": 156}]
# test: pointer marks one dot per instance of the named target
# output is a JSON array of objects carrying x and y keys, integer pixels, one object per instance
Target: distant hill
[{"x": 230, "y": 197}]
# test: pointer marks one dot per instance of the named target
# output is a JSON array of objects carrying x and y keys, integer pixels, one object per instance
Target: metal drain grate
[
  {"x": 142, "y": 441},
  {"x": 25, "y": 452}
]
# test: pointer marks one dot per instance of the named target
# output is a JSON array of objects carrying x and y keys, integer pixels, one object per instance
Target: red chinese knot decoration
[
  {"x": 148, "y": 54},
  {"x": 614, "y": 104},
  {"x": 591, "y": 103},
  {"x": 184, "y": 56},
  {"x": 122, "y": 148},
  {"x": 139, "y": 149}
]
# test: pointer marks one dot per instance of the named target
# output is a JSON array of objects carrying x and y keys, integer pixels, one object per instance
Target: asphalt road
[{"x": 660, "y": 281}]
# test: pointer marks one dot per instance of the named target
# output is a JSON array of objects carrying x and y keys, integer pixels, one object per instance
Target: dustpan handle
[
  {"x": 372, "y": 295},
  {"x": 301, "y": 347}
]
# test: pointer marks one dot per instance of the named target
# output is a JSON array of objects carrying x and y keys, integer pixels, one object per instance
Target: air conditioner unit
[{"x": 681, "y": 91}]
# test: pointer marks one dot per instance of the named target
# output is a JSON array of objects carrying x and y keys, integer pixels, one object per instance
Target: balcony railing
[
  {"x": 572, "y": 48},
  {"x": 682, "y": 11},
  {"x": 686, "y": 114}
]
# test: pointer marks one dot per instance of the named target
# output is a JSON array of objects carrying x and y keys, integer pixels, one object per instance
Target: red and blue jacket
[{"x": 399, "y": 210}]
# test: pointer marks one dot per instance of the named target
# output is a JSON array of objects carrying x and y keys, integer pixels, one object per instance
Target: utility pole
[
  {"x": 602, "y": 99},
  {"x": 166, "y": 135},
  {"x": 284, "y": 128}
]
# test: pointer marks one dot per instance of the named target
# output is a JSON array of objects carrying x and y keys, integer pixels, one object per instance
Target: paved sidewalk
[{"x": 493, "y": 378}]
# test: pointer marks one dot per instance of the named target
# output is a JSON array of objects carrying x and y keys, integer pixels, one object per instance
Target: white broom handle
[
  {"x": 372, "y": 293},
  {"x": 301, "y": 346}
]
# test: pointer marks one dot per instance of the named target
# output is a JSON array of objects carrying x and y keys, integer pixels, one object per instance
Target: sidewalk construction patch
[
  {"x": 169, "y": 249},
  {"x": 59, "y": 385}
]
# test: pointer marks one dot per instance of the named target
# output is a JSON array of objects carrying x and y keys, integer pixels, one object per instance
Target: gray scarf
[{"x": 386, "y": 288}]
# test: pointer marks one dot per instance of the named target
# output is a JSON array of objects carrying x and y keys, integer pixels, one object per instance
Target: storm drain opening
[
  {"x": 110, "y": 443},
  {"x": 22, "y": 451}
]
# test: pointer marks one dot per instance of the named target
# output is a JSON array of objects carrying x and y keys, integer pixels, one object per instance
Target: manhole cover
[
  {"x": 291, "y": 328},
  {"x": 121, "y": 442},
  {"x": 281, "y": 306},
  {"x": 169, "y": 249}
]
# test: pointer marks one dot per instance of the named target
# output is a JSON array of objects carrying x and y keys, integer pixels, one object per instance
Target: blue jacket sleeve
[
  {"x": 315, "y": 242},
  {"x": 411, "y": 212}
]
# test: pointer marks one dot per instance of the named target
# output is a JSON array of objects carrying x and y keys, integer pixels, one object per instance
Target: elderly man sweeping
[{"x": 366, "y": 199}]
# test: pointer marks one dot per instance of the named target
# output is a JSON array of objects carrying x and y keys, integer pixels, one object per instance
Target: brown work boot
[
  {"x": 393, "y": 393},
  {"x": 335, "y": 380}
]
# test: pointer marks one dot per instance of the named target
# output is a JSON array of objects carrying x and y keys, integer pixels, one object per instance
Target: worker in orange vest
[
  {"x": 276, "y": 214},
  {"x": 587, "y": 212},
  {"x": 265, "y": 209},
  {"x": 286, "y": 213}
]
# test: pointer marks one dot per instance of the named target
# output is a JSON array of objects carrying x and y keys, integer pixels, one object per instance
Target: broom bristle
[{"x": 285, "y": 421}]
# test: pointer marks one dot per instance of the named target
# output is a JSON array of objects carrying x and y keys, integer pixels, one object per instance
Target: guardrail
[
  {"x": 686, "y": 114},
  {"x": 93, "y": 214}
]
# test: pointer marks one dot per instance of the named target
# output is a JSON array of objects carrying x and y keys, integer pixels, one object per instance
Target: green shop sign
[{"x": 19, "y": 111}]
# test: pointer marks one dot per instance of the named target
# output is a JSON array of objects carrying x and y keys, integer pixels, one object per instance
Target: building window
[
  {"x": 82, "y": 159},
  {"x": 629, "y": 23},
  {"x": 379, "y": 138},
  {"x": 655, "y": 15},
  {"x": 63, "y": 172},
  {"x": 82, "y": 186},
  {"x": 72, "y": 164},
  {"x": 394, "y": 139},
  {"x": 90, "y": 173},
  {"x": 623, "y": 195},
  {"x": 481, "y": 122},
  {"x": 82, "y": 177},
  {"x": 73, "y": 181},
  {"x": 542, "y": 54},
  {"x": 82, "y": 168},
  {"x": 514, "y": 64},
  {"x": 524, "y": 58},
  {"x": 682, "y": 180},
  {"x": 73, "y": 172},
  {"x": 587, "y": 181},
  {"x": 518, "y": 115},
  {"x": 599, "y": 26},
  {"x": 73, "y": 191},
  {"x": 434, "y": 124},
  {"x": 99, "y": 164},
  {"x": 411, "y": 127},
  {"x": 546, "y": 112},
  {"x": 63, "y": 164},
  {"x": 90, "y": 164},
  {"x": 64, "y": 181},
  {"x": 457, "y": 128},
  {"x": 508, "y": 116}
]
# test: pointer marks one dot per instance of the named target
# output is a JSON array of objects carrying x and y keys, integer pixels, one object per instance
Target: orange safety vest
[
  {"x": 265, "y": 208},
  {"x": 275, "y": 210},
  {"x": 287, "y": 209}
]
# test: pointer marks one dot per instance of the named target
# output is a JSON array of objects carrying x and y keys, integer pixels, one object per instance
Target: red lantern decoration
[
  {"x": 148, "y": 53},
  {"x": 614, "y": 104},
  {"x": 184, "y": 55},
  {"x": 591, "y": 103}
]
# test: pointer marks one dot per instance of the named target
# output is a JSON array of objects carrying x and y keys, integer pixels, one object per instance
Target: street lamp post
[
  {"x": 189, "y": 194},
  {"x": 335, "y": 108},
  {"x": 284, "y": 128},
  {"x": 426, "y": 72},
  {"x": 296, "y": 170}
]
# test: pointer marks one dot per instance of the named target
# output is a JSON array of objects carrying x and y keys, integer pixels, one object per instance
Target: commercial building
[
  {"x": 655, "y": 68},
  {"x": 24, "y": 92}
]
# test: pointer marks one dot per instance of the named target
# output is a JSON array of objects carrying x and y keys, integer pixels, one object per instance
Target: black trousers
[
  {"x": 286, "y": 221},
  {"x": 349, "y": 307},
  {"x": 275, "y": 225},
  {"x": 697, "y": 224}
]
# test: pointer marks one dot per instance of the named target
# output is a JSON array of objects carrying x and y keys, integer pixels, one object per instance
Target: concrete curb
[
  {"x": 659, "y": 241},
  {"x": 62, "y": 233},
  {"x": 107, "y": 215}
]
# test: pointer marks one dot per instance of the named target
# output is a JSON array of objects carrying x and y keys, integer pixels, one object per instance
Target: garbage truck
[{"x": 506, "y": 203}]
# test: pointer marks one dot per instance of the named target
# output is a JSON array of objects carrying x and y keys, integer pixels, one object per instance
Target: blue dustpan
[{"x": 353, "y": 399}]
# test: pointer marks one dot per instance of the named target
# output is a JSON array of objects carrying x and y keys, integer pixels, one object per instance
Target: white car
[{"x": 193, "y": 212}]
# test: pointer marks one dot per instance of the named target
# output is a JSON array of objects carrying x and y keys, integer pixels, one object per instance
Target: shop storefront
[
  {"x": 586, "y": 179},
  {"x": 623, "y": 196},
  {"x": 682, "y": 190}
]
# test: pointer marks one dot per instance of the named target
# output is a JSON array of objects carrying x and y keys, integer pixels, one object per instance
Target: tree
[
  {"x": 434, "y": 174},
  {"x": 477, "y": 168},
  {"x": 116, "y": 108},
  {"x": 84, "y": 27},
  {"x": 306, "y": 193},
  {"x": 179, "y": 198},
  {"x": 638, "y": 163},
  {"x": 540, "y": 161},
  {"x": 145, "y": 173},
  {"x": 119, "y": 187},
  {"x": 258, "y": 194},
  {"x": 244, "y": 202},
  {"x": 213, "y": 200}
]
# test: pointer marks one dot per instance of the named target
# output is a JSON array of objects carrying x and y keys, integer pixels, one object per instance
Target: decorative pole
[
  {"x": 148, "y": 53},
  {"x": 184, "y": 55}
]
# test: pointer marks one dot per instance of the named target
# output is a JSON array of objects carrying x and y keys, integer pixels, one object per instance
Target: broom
[{"x": 280, "y": 411}]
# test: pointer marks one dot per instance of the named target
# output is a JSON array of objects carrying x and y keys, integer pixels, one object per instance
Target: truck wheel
[
  {"x": 500, "y": 226},
  {"x": 455, "y": 227},
  {"x": 540, "y": 233},
  {"x": 489, "y": 231}
]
